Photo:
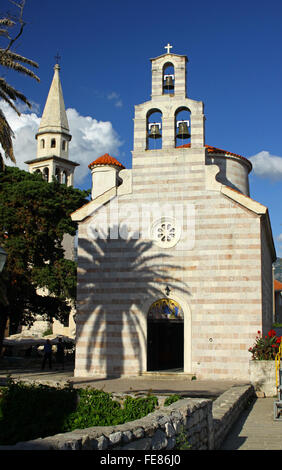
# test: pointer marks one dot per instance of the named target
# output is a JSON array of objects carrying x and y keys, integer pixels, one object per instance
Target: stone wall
[
  {"x": 267, "y": 281},
  {"x": 227, "y": 409},
  {"x": 217, "y": 281},
  {"x": 263, "y": 377},
  {"x": 203, "y": 423},
  {"x": 233, "y": 171}
]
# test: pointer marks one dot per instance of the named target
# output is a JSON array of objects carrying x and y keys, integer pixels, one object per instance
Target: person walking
[
  {"x": 60, "y": 354},
  {"x": 47, "y": 355}
]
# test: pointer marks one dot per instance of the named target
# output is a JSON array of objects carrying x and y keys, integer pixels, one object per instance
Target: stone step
[{"x": 166, "y": 374}]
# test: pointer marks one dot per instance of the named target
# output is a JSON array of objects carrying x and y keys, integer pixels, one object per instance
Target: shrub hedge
[{"x": 31, "y": 411}]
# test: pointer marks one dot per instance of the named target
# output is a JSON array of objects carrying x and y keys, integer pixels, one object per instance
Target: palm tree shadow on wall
[{"x": 121, "y": 274}]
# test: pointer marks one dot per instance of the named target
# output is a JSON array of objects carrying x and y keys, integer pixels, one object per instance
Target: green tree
[
  {"x": 12, "y": 61},
  {"x": 34, "y": 217},
  {"x": 278, "y": 269}
]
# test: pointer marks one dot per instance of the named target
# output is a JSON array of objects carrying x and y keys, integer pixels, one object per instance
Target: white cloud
[
  {"x": 119, "y": 104},
  {"x": 113, "y": 95},
  {"x": 116, "y": 97},
  {"x": 267, "y": 166},
  {"x": 90, "y": 139},
  {"x": 279, "y": 239},
  {"x": 24, "y": 128}
]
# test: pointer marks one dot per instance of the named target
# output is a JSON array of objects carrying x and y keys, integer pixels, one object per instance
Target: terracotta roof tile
[
  {"x": 277, "y": 285},
  {"x": 106, "y": 160},
  {"x": 211, "y": 149}
]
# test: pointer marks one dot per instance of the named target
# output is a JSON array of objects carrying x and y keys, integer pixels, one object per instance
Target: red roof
[
  {"x": 277, "y": 285},
  {"x": 211, "y": 149},
  {"x": 106, "y": 160}
]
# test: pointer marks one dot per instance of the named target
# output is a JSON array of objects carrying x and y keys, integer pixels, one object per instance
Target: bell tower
[
  {"x": 53, "y": 138},
  {"x": 170, "y": 119}
]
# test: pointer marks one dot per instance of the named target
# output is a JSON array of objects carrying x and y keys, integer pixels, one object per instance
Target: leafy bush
[
  {"x": 135, "y": 408},
  {"x": 265, "y": 348},
  {"x": 95, "y": 408},
  {"x": 31, "y": 411},
  {"x": 171, "y": 399}
]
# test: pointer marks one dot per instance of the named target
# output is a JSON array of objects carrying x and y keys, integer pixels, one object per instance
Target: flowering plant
[{"x": 265, "y": 348}]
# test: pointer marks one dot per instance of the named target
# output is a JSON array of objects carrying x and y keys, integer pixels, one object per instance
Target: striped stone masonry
[
  {"x": 219, "y": 269},
  {"x": 219, "y": 280}
]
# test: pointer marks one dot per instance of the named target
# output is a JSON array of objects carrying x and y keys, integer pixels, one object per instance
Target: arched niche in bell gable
[
  {"x": 168, "y": 78},
  {"x": 46, "y": 174},
  {"x": 65, "y": 177},
  {"x": 58, "y": 174},
  {"x": 154, "y": 129},
  {"x": 182, "y": 119}
]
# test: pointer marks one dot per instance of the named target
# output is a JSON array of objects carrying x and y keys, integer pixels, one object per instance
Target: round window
[{"x": 165, "y": 232}]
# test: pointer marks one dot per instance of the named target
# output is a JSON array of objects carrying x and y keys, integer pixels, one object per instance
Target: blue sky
[{"x": 235, "y": 68}]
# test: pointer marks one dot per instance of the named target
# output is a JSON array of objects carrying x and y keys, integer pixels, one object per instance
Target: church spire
[{"x": 53, "y": 134}]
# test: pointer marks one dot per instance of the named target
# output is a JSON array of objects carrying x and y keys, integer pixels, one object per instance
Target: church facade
[{"x": 174, "y": 257}]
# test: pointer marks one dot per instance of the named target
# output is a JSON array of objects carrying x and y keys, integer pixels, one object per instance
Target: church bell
[
  {"x": 154, "y": 131},
  {"x": 168, "y": 82},
  {"x": 183, "y": 132}
]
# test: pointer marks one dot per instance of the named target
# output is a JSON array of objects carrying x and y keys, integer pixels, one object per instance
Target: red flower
[
  {"x": 271, "y": 333},
  {"x": 278, "y": 340}
]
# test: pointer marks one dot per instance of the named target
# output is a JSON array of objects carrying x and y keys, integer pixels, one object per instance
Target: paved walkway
[
  {"x": 254, "y": 430},
  {"x": 173, "y": 384}
]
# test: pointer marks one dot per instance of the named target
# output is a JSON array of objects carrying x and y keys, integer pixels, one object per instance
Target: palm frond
[
  {"x": 7, "y": 22},
  {"x": 6, "y": 61},
  {"x": 4, "y": 32},
  {"x": 10, "y": 93},
  {"x": 5, "y": 98},
  {"x": 6, "y": 135},
  {"x": 14, "y": 61},
  {"x": 12, "y": 56}
]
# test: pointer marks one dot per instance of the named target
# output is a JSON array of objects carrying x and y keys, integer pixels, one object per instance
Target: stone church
[{"x": 174, "y": 257}]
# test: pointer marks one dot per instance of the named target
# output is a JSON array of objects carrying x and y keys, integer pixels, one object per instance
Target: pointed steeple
[
  {"x": 54, "y": 115},
  {"x": 53, "y": 134}
]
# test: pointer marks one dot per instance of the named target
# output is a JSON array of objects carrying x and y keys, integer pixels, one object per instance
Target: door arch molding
[{"x": 187, "y": 353}]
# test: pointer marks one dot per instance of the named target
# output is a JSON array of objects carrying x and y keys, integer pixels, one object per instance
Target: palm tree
[{"x": 9, "y": 94}]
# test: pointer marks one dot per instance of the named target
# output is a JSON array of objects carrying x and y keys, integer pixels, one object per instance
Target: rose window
[{"x": 165, "y": 232}]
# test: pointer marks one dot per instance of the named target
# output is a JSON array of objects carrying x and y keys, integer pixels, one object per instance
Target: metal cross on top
[
  {"x": 57, "y": 58},
  {"x": 168, "y": 47}
]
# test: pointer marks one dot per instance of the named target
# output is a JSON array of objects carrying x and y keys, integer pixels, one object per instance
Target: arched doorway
[{"x": 165, "y": 336}]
